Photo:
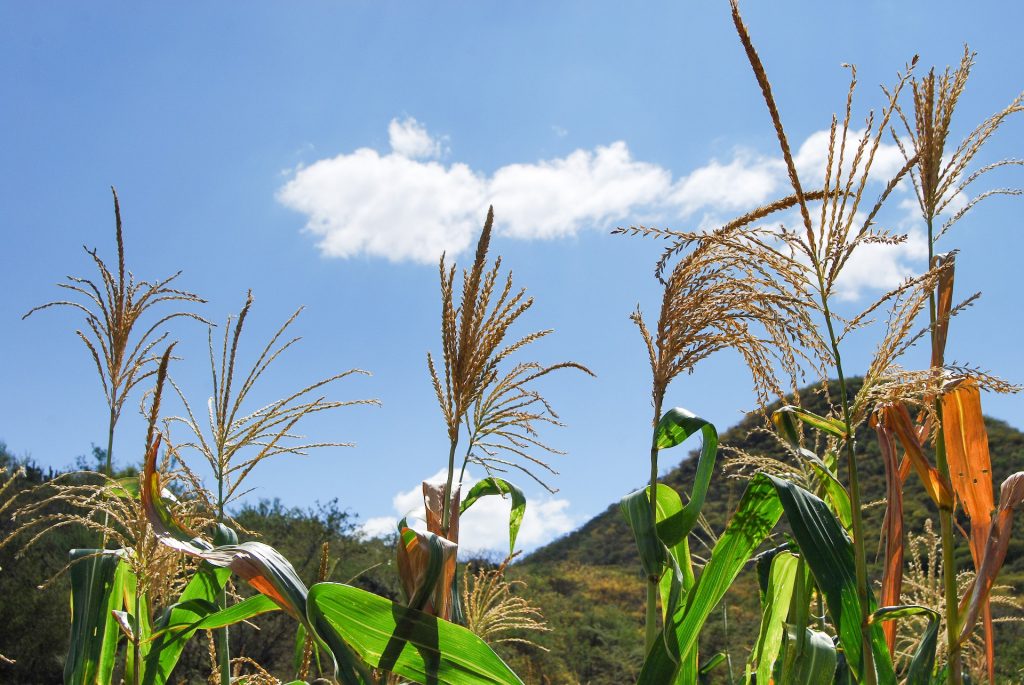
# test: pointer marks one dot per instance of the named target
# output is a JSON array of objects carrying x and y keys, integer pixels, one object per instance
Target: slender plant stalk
[
  {"x": 859, "y": 552},
  {"x": 136, "y": 652},
  {"x": 651, "y": 620},
  {"x": 955, "y": 670},
  {"x": 221, "y": 636},
  {"x": 446, "y": 510}
]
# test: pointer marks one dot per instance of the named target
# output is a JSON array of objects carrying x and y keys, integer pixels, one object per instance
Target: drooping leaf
[
  {"x": 970, "y": 466},
  {"x": 260, "y": 565},
  {"x": 781, "y": 581},
  {"x": 834, "y": 490},
  {"x": 214, "y": 618},
  {"x": 1011, "y": 497},
  {"x": 785, "y": 418},
  {"x": 970, "y": 472},
  {"x": 407, "y": 642},
  {"x": 896, "y": 418},
  {"x": 500, "y": 486},
  {"x": 675, "y": 426},
  {"x": 922, "y": 663},
  {"x": 97, "y": 581},
  {"x": 168, "y": 530},
  {"x": 828, "y": 552},
  {"x": 892, "y": 528}
]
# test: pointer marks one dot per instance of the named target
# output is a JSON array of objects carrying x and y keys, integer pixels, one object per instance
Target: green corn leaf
[
  {"x": 678, "y": 577},
  {"x": 135, "y": 626},
  {"x": 677, "y": 552},
  {"x": 404, "y": 641},
  {"x": 824, "y": 546},
  {"x": 500, "y": 486},
  {"x": 97, "y": 590},
  {"x": 785, "y": 421},
  {"x": 808, "y": 661},
  {"x": 763, "y": 564},
  {"x": 808, "y": 656},
  {"x": 922, "y": 663},
  {"x": 260, "y": 565},
  {"x": 674, "y": 428},
  {"x": 165, "y": 648},
  {"x": 236, "y": 613},
  {"x": 837, "y": 495},
  {"x": 300, "y": 648},
  {"x": 828, "y": 552},
  {"x": 636, "y": 508},
  {"x": 777, "y": 598},
  {"x": 758, "y": 512},
  {"x": 711, "y": 664},
  {"x": 126, "y": 487}
]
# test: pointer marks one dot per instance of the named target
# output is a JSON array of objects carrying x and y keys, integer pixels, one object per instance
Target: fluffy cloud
[
  {"x": 559, "y": 197},
  {"x": 409, "y": 138},
  {"x": 407, "y": 205},
  {"x": 484, "y": 527},
  {"x": 387, "y": 206},
  {"x": 883, "y": 266},
  {"x": 812, "y": 156},
  {"x": 747, "y": 181}
]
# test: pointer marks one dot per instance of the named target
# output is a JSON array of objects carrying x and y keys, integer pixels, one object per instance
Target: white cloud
[
  {"x": 812, "y": 156},
  {"x": 882, "y": 266},
  {"x": 408, "y": 205},
  {"x": 748, "y": 180},
  {"x": 484, "y": 527},
  {"x": 409, "y": 138},
  {"x": 556, "y": 198},
  {"x": 387, "y": 205}
]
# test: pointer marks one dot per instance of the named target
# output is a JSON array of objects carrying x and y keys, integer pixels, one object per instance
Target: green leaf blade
[
  {"x": 97, "y": 590},
  {"x": 500, "y": 486},
  {"x": 404, "y": 641}
]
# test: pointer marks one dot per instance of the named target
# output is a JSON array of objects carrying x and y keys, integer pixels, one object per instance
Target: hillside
[{"x": 573, "y": 578}]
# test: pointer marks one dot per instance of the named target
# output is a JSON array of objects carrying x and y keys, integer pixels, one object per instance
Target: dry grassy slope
[{"x": 567, "y": 574}]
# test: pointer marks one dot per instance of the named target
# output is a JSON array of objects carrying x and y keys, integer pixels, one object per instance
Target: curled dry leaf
[
  {"x": 426, "y": 562},
  {"x": 1011, "y": 496}
]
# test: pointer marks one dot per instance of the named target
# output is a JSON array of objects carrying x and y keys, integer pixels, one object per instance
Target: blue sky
[{"x": 322, "y": 154}]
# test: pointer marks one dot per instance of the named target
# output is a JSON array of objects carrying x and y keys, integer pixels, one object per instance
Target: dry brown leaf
[
  {"x": 897, "y": 418},
  {"x": 892, "y": 527},
  {"x": 1011, "y": 496}
]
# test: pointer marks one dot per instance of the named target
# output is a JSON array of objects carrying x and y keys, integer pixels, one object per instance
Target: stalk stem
[
  {"x": 136, "y": 652},
  {"x": 860, "y": 556},
  {"x": 651, "y": 619},
  {"x": 221, "y": 636},
  {"x": 955, "y": 669},
  {"x": 446, "y": 504},
  {"x": 110, "y": 443}
]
